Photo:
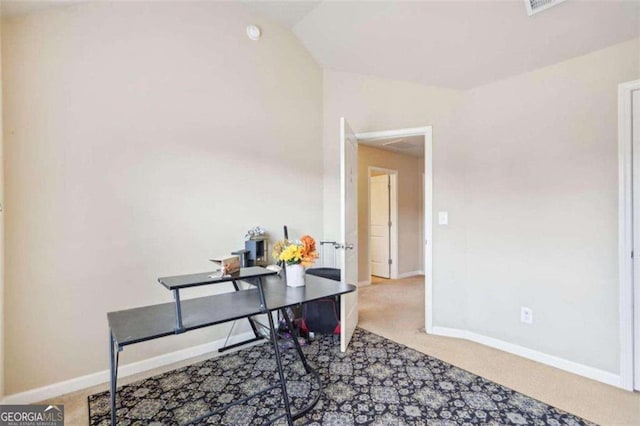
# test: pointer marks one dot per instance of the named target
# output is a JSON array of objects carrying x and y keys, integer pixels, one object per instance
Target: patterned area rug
[{"x": 377, "y": 382}]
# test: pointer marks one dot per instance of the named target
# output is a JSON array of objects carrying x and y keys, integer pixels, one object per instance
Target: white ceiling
[
  {"x": 456, "y": 44},
  {"x": 407, "y": 145},
  {"x": 287, "y": 13}
]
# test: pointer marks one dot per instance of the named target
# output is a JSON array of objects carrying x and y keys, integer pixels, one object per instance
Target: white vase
[{"x": 295, "y": 275}]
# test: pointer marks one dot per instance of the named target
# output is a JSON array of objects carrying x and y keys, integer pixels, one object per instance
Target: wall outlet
[{"x": 526, "y": 315}]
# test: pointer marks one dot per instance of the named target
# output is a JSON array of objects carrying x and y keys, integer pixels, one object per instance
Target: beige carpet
[{"x": 395, "y": 309}]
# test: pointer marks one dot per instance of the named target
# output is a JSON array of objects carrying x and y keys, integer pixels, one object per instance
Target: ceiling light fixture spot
[{"x": 253, "y": 32}]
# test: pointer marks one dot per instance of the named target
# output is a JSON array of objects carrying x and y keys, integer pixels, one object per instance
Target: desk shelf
[
  {"x": 151, "y": 322},
  {"x": 207, "y": 278}
]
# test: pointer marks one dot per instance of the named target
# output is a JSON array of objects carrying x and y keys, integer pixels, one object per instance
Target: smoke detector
[
  {"x": 535, "y": 6},
  {"x": 253, "y": 32}
]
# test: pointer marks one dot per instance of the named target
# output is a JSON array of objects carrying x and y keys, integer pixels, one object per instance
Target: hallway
[{"x": 388, "y": 306}]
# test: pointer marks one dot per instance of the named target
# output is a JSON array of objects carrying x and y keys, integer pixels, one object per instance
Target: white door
[
  {"x": 635, "y": 131},
  {"x": 348, "y": 231},
  {"x": 379, "y": 229}
]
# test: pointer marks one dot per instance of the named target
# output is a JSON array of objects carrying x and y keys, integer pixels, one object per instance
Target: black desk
[{"x": 269, "y": 294}]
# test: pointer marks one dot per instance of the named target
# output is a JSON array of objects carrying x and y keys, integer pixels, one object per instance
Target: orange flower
[
  {"x": 309, "y": 254},
  {"x": 308, "y": 244}
]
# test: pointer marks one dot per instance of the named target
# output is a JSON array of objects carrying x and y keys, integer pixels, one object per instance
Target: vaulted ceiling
[{"x": 455, "y": 44}]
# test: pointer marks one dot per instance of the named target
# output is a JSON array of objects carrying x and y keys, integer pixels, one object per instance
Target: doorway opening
[
  {"x": 414, "y": 258},
  {"x": 399, "y": 160},
  {"x": 382, "y": 201}
]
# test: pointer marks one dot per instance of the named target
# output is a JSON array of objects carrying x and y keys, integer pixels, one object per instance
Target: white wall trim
[
  {"x": 541, "y": 357},
  {"x": 393, "y": 237},
  {"x": 410, "y": 274},
  {"x": 428, "y": 228},
  {"x": 364, "y": 283},
  {"x": 386, "y": 134},
  {"x": 625, "y": 236},
  {"x": 83, "y": 382}
]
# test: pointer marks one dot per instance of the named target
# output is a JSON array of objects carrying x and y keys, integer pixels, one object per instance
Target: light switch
[{"x": 443, "y": 218}]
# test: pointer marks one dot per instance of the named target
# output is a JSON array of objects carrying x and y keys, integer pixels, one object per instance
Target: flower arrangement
[{"x": 296, "y": 252}]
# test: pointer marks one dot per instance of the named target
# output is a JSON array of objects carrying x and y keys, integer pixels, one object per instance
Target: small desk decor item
[
  {"x": 257, "y": 244},
  {"x": 228, "y": 264},
  {"x": 296, "y": 255},
  {"x": 254, "y": 233}
]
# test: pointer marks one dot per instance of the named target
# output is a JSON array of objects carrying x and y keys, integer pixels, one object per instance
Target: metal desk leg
[
  {"x": 283, "y": 383},
  {"x": 256, "y": 336},
  {"x": 307, "y": 368},
  {"x": 263, "y": 302},
  {"x": 253, "y": 324},
  {"x": 115, "y": 352},
  {"x": 179, "y": 326}
]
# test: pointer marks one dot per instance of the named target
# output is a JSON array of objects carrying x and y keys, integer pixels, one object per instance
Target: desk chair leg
[
  {"x": 115, "y": 352},
  {"x": 307, "y": 368},
  {"x": 283, "y": 383}
]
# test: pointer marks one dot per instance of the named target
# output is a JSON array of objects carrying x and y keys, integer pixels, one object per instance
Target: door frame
[
  {"x": 427, "y": 132},
  {"x": 628, "y": 307},
  {"x": 393, "y": 206}
]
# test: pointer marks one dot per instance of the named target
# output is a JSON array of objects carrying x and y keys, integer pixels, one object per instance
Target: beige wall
[
  {"x": 409, "y": 207},
  {"x": 527, "y": 169},
  {"x": 542, "y": 194},
  {"x": 373, "y": 104},
  {"x": 142, "y": 139}
]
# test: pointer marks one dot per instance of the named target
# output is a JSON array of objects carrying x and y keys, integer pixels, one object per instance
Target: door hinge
[
  {"x": 390, "y": 261},
  {"x": 632, "y": 254},
  {"x": 390, "y": 224}
]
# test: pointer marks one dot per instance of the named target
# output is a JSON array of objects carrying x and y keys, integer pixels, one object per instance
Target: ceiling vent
[{"x": 535, "y": 6}]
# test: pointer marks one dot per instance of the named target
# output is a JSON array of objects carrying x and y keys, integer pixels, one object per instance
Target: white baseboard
[
  {"x": 541, "y": 357},
  {"x": 83, "y": 382},
  {"x": 409, "y": 274},
  {"x": 364, "y": 283}
]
